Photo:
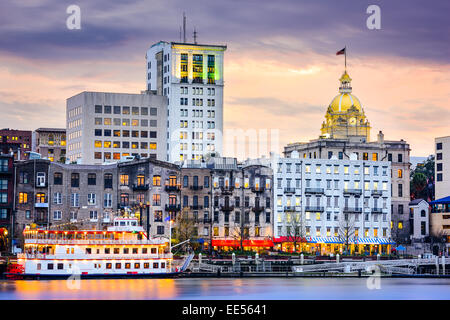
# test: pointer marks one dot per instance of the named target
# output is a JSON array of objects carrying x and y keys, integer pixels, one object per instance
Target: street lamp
[{"x": 148, "y": 220}]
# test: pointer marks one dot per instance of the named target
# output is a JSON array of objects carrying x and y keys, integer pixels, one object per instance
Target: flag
[
  {"x": 167, "y": 219},
  {"x": 340, "y": 52}
]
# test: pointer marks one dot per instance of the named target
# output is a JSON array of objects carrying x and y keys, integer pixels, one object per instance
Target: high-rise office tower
[{"x": 190, "y": 75}]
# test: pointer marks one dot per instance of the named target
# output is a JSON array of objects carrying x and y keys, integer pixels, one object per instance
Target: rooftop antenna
[
  {"x": 184, "y": 28},
  {"x": 195, "y": 36},
  {"x": 180, "y": 33}
]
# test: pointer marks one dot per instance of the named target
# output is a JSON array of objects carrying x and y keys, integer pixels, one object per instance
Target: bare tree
[
  {"x": 296, "y": 229},
  {"x": 240, "y": 232},
  {"x": 346, "y": 229},
  {"x": 184, "y": 226},
  {"x": 438, "y": 238}
]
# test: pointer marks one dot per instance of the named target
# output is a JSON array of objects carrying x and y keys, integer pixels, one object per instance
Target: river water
[{"x": 227, "y": 289}]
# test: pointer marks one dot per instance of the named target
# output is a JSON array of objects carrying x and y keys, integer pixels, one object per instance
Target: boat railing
[
  {"x": 96, "y": 241},
  {"x": 94, "y": 256}
]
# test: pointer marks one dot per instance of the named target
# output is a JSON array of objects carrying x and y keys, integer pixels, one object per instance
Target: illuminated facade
[
  {"x": 191, "y": 77},
  {"x": 50, "y": 143},
  {"x": 346, "y": 130},
  {"x": 105, "y": 127}
]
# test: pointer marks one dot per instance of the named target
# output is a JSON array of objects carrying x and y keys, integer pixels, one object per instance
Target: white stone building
[
  {"x": 321, "y": 194},
  {"x": 442, "y": 167},
  {"x": 104, "y": 127},
  {"x": 191, "y": 76},
  {"x": 419, "y": 211}
]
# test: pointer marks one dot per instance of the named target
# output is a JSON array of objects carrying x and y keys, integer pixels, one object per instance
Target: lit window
[
  {"x": 400, "y": 173},
  {"x": 98, "y": 144},
  {"x": 107, "y": 144},
  {"x": 153, "y": 145}
]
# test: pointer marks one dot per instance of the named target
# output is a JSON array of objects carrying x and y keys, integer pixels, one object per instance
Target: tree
[
  {"x": 296, "y": 230},
  {"x": 422, "y": 180},
  {"x": 346, "y": 229},
  {"x": 439, "y": 239},
  {"x": 184, "y": 226},
  {"x": 241, "y": 233}
]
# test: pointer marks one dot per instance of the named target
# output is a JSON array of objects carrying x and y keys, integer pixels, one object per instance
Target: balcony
[
  {"x": 172, "y": 188},
  {"x": 173, "y": 207},
  {"x": 353, "y": 191},
  {"x": 40, "y": 221},
  {"x": 258, "y": 189},
  {"x": 41, "y": 204},
  {"x": 227, "y": 190},
  {"x": 196, "y": 207},
  {"x": 378, "y": 193},
  {"x": 196, "y": 187},
  {"x": 289, "y": 190},
  {"x": 314, "y": 190},
  {"x": 314, "y": 209},
  {"x": 377, "y": 210},
  {"x": 226, "y": 207},
  {"x": 289, "y": 208},
  {"x": 140, "y": 187},
  {"x": 352, "y": 210},
  {"x": 258, "y": 209},
  {"x": 205, "y": 220}
]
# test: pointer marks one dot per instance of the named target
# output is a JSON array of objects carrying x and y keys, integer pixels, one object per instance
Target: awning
[
  {"x": 246, "y": 243},
  {"x": 352, "y": 240},
  {"x": 445, "y": 200},
  {"x": 289, "y": 239}
]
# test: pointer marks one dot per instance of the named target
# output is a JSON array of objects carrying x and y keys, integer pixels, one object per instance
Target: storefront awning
[
  {"x": 353, "y": 240},
  {"x": 246, "y": 243},
  {"x": 289, "y": 239}
]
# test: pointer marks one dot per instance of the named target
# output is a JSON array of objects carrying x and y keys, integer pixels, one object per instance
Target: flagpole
[{"x": 345, "y": 51}]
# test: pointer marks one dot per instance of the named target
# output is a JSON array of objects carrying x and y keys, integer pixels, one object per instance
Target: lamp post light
[
  {"x": 148, "y": 220},
  {"x": 140, "y": 213}
]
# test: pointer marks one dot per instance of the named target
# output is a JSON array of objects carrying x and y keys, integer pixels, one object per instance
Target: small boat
[{"x": 122, "y": 251}]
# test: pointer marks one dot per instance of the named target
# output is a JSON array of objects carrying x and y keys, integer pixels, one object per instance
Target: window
[
  {"x": 124, "y": 180},
  {"x": 57, "y": 215},
  {"x": 57, "y": 198},
  {"x": 124, "y": 199},
  {"x": 400, "y": 157},
  {"x": 400, "y": 190},
  {"x": 40, "y": 198},
  {"x": 374, "y": 156},
  {"x": 57, "y": 178},
  {"x": 157, "y": 181},
  {"x": 91, "y": 199},
  {"x": 40, "y": 178},
  {"x": 400, "y": 173},
  {"x": 93, "y": 215},
  {"x": 23, "y": 197},
  {"x": 75, "y": 180},
  {"x": 75, "y": 200}
]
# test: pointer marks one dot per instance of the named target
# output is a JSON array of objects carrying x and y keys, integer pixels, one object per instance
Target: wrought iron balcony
[
  {"x": 352, "y": 191},
  {"x": 258, "y": 209},
  {"x": 289, "y": 190},
  {"x": 173, "y": 207},
  {"x": 227, "y": 189},
  {"x": 172, "y": 188},
  {"x": 197, "y": 187},
  {"x": 314, "y": 209},
  {"x": 226, "y": 207},
  {"x": 289, "y": 208},
  {"x": 140, "y": 187},
  {"x": 41, "y": 204},
  {"x": 196, "y": 207},
  {"x": 377, "y": 210},
  {"x": 352, "y": 210},
  {"x": 314, "y": 190},
  {"x": 377, "y": 192}
]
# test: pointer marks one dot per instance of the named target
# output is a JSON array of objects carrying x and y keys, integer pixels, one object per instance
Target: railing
[
  {"x": 352, "y": 191},
  {"x": 140, "y": 187},
  {"x": 196, "y": 187},
  {"x": 93, "y": 242},
  {"x": 227, "y": 190},
  {"x": 227, "y": 208},
  {"x": 173, "y": 207},
  {"x": 349, "y": 209},
  {"x": 314, "y": 209},
  {"x": 289, "y": 208},
  {"x": 377, "y": 210},
  {"x": 289, "y": 190},
  {"x": 95, "y": 256},
  {"x": 259, "y": 189},
  {"x": 314, "y": 190},
  {"x": 172, "y": 188},
  {"x": 196, "y": 207},
  {"x": 377, "y": 192},
  {"x": 41, "y": 204},
  {"x": 258, "y": 208}
]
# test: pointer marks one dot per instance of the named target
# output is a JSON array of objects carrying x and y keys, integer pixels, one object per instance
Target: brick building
[
  {"x": 16, "y": 141},
  {"x": 6, "y": 200}
]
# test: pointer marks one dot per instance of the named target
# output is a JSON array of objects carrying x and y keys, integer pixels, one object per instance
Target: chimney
[{"x": 380, "y": 138}]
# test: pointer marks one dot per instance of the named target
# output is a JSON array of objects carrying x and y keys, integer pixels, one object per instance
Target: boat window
[
  {"x": 88, "y": 250},
  {"x": 116, "y": 223},
  {"x": 144, "y": 250},
  {"x": 122, "y": 223},
  {"x": 135, "y": 250},
  {"x": 118, "y": 265},
  {"x": 146, "y": 265},
  {"x": 163, "y": 265},
  {"x": 137, "y": 265},
  {"x": 127, "y": 265},
  {"x": 109, "y": 266},
  {"x": 116, "y": 251},
  {"x": 126, "y": 250},
  {"x": 107, "y": 250},
  {"x": 39, "y": 266},
  {"x": 155, "y": 265},
  {"x": 153, "y": 250},
  {"x": 133, "y": 223},
  {"x": 50, "y": 266}
]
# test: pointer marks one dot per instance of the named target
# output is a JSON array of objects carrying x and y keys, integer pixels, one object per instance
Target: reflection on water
[{"x": 220, "y": 288}]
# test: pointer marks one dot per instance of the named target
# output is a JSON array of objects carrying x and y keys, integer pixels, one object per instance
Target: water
[{"x": 226, "y": 289}]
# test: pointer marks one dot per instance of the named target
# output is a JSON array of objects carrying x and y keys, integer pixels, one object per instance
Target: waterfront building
[
  {"x": 190, "y": 75},
  {"x": 440, "y": 223},
  {"x": 242, "y": 212},
  {"x": 323, "y": 204},
  {"x": 442, "y": 167},
  {"x": 104, "y": 127},
  {"x": 17, "y": 142},
  {"x": 196, "y": 201},
  {"x": 6, "y": 201},
  {"x": 50, "y": 143},
  {"x": 52, "y": 195},
  {"x": 346, "y": 131},
  {"x": 419, "y": 211}
]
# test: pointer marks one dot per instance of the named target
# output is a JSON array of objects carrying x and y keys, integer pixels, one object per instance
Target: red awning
[
  {"x": 288, "y": 239},
  {"x": 246, "y": 243}
]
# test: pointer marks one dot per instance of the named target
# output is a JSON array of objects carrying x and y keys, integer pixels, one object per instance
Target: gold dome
[{"x": 344, "y": 101}]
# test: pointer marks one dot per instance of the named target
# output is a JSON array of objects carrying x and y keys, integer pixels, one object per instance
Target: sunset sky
[{"x": 281, "y": 68}]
